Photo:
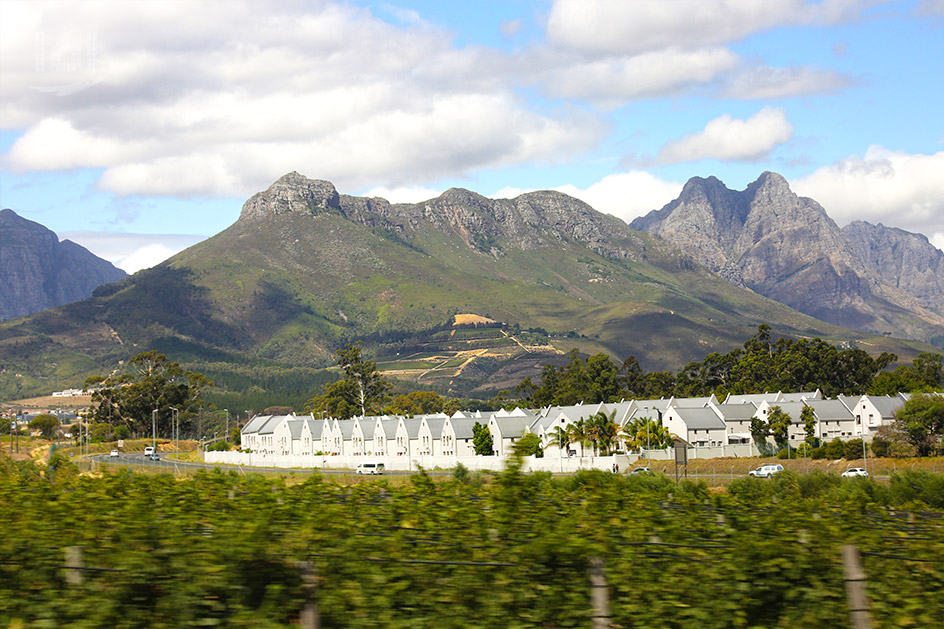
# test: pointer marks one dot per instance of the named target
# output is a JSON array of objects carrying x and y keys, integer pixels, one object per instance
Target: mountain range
[
  {"x": 306, "y": 269},
  {"x": 766, "y": 238},
  {"x": 40, "y": 272}
]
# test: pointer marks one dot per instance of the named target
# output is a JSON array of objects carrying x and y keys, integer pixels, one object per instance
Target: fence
[
  {"x": 413, "y": 463},
  {"x": 561, "y": 465}
]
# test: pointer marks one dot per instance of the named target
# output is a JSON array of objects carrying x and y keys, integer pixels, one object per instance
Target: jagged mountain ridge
[
  {"x": 787, "y": 248},
  {"x": 40, "y": 272},
  {"x": 305, "y": 269}
]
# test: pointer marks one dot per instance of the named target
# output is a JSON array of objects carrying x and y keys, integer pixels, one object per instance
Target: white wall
[{"x": 404, "y": 463}]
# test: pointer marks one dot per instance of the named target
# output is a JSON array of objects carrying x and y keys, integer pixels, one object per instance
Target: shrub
[
  {"x": 835, "y": 449},
  {"x": 853, "y": 449}
]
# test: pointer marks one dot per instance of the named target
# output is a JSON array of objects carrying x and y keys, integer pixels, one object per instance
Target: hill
[
  {"x": 40, "y": 272},
  {"x": 266, "y": 302},
  {"x": 766, "y": 238}
]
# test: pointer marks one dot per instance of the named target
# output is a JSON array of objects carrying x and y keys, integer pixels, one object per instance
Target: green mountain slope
[{"x": 305, "y": 270}]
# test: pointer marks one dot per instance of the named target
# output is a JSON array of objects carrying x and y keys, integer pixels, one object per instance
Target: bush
[
  {"x": 881, "y": 447},
  {"x": 220, "y": 446},
  {"x": 102, "y": 432},
  {"x": 853, "y": 449},
  {"x": 914, "y": 486},
  {"x": 835, "y": 449}
]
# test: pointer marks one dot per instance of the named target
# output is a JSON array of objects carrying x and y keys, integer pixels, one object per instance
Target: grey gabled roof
[
  {"x": 463, "y": 426},
  {"x": 436, "y": 426},
  {"x": 295, "y": 425},
  {"x": 793, "y": 409},
  {"x": 269, "y": 426},
  {"x": 315, "y": 427},
  {"x": 412, "y": 427},
  {"x": 850, "y": 401},
  {"x": 691, "y": 402},
  {"x": 801, "y": 395},
  {"x": 699, "y": 418},
  {"x": 346, "y": 426},
  {"x": 752, "y": 398},
  {"x": 737, "y": 411},
  {"x": 513, "y": 426},
  {"x": 887, "y": 406},
  {"x": 830, "y": 410},
  {"x": 389, "y": 427},
  {"x": 255, "y": 424}
]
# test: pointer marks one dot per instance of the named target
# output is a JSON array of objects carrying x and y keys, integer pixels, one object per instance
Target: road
[{"x": 137, "y": 459}]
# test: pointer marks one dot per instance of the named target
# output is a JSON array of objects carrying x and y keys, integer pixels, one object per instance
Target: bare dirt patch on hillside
[{"x": 467, "y": 319}]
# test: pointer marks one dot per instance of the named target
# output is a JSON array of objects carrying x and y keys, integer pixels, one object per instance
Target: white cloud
[
  {"x": 931, "y": 7},
  {"x": 891, "y": 187},
  {"x": 624, "y": 195},
  {"x": 404, "y": 194},
  {"x": 765, "y": 82},
  {"x": 221, "y": 98},
  {"x": 729, "y": 139},
  {"x": 620, "y": 27},
  {"x": 132, "y": 252},
  {"x": 611, "y": 81}
]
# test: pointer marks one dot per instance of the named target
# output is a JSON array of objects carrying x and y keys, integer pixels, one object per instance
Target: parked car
[
  {"x": 113, "y": 454},
  {"x": 766, "y": 471},
  {"x": 370, "y": 468},
  {"x": 148, "y": 450},
  {"x": 855, "y": 471}
]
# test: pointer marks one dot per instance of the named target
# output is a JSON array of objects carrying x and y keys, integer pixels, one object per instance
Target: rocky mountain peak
[
  {"x": 40, "y": 272},
  {"x": 292, "y": 193},
  {"x": 787, "y": 248}
]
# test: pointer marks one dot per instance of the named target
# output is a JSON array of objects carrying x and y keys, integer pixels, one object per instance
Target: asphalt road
[{"x": 169, "y": 464}]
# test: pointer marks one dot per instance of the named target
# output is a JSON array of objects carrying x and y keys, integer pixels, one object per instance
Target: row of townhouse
[{"x": 703, "y": 422}]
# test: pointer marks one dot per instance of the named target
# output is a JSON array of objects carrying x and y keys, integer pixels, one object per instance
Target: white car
[
  {"x": 370, "y": 468},
  {"x": 855, "y": 471},
  {"x": 148, "y": 450},
  {"x": 766, "y": 471},
  {"x": 113, "y": 454}
]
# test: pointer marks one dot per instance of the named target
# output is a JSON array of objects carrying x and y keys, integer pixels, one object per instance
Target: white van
[
  {"x": 370, "y": 468},
  {"x": 148, "y": 450}
]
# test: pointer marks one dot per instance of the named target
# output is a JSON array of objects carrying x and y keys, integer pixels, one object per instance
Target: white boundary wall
[{"x": 474, "y": 463}]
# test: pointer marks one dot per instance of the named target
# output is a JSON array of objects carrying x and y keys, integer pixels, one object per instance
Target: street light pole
[
  {"x": 154, "y": 430},
  {"x": 176, "y": 418},
  {"x": 648, "y": 455},
  {"x": 226, "y": 433}
]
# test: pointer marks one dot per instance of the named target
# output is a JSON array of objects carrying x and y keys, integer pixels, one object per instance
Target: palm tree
[
  {"x": 603, "y": 431},
  {"x": 580, "y": 433},
  {"x": 644, "y": 432},
  {"x": 561, "y": 436}
]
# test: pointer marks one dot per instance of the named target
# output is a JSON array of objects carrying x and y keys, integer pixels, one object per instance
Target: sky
[{"x": 139, "y": 128}]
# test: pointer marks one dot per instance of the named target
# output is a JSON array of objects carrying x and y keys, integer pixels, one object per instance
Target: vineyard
[{"x": 510, "y": 550}]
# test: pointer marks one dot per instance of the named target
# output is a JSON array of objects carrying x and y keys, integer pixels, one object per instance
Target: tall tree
[
  {"x": 151, "y": 382},
  {"x": 922, "y": 419},
  {"x": 362, "y": 389},
  {"x": 809, "y": 426},
  {"x": 779, "y": 423},
  {"x": 482, "y": 441},
  {"x": 644, "y": 432}
]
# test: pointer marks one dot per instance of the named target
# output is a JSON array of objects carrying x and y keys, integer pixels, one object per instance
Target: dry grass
[
  {"x": 721, "y": 471},
  {"x": 46, "y": 402},
  {"x": 465, "y": 319}
]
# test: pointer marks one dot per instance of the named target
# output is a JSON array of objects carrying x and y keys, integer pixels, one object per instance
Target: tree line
[{"x": 762, "y": 365}]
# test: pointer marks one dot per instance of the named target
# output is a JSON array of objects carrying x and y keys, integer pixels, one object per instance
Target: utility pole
[
  {"x": 176, "y": 418},
  {"x": 154, "y": 429},
  {"x": 226, "y": 433}
]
